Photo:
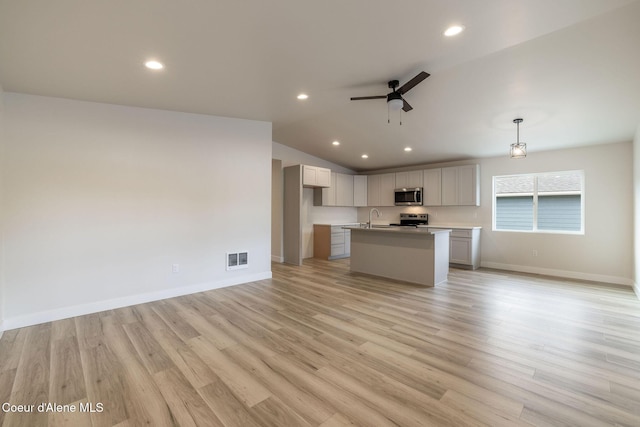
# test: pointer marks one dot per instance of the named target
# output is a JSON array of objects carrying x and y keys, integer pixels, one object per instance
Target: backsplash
[{"x": 464, "y": 215}]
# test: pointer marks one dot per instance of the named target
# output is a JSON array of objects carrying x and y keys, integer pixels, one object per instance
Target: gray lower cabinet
[
  {"x": 331, "y": 241},
  {"x": 464, "y": 247}
]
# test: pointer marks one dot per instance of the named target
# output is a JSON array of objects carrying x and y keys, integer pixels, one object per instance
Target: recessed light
[
  {"x": 408, "y": 148},
  {"x": 154, "y": 65},
  {"x": 303, "y": 96},
  {"x": 336, "y": 142},
  {"x": 453, "y": 30},
  {"x": 364, "y": 156}
]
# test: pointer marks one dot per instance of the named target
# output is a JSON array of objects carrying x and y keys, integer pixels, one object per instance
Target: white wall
[
  {"x": 636, "y": 212},
  {"x": 101, "y": 200},
  {"x": 313, "y": 214},
  {"x": 603, "y": 253}
]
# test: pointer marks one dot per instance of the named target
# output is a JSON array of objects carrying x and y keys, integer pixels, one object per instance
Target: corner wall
[
  {"x": 636, "y": 212},
  {"x": 2, "y": 143},
  {"x": 100, "y": 201}
]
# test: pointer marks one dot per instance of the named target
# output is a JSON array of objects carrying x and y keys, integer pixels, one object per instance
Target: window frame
[{"x": 535, "y": 176}]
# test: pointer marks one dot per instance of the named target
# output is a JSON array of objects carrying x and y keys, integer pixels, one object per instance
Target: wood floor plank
[
  {"x": 7, "y": 379},
  {"x": 224, "y": 403},
  {"x": 401, "y": 412},
  {"x": 67, "y": 381},
  {"x": 186, "y": 360},
  {"x": 244, "y": 386},
  {"x": 31, "y": 382},
  {"x": 11, "y": 346},
  {"x": 308, "y": 406},
  {"x": 105, "y": 381},
  {"x": 70, "y": 418},
  {"x": 346, "y": 403},
  {"x": 187, "y": 407},
  {"x": 151, "y": 354},
  {"x": 272, "y": 412},
  {"x": 141, "y": 395}
]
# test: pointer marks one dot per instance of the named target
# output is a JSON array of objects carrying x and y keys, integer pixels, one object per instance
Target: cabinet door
[
  {"x": 309, "y": 175},
  {"x": 323, "y": 177},
  {"x": 409, "y": 179},
  {"x": 460, "y": 250},
  {"x": 360, "y": 190},
  {"x": 449, "y": 186},
  {"x": 402, "y": 179},
  {"x": 347, "y": 242},
  {"x": 432, "y": 187},
  {"x": 344, "y": 189},
  {"x": 329, "y": 193},
  {"x": 373, "y": 190},
  {"x": 415, "y": 179},
  {"x": 468, "y": 189},
  {"x": 387, "y": 185}
]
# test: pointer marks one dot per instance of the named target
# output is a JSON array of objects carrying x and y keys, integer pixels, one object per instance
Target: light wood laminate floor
[{"x": 318, "y": 346}]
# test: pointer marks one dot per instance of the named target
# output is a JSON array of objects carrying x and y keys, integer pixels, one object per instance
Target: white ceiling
[{"x": 569, "y": 68}]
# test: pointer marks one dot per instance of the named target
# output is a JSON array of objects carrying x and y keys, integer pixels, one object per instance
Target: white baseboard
[
  {"x": 275, "y": 258},
  {"x": 98, "y": 306},
  {"x": 560, "y": 273}
]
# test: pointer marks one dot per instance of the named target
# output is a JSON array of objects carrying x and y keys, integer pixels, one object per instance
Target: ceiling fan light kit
[
  {"x": 395, "y": 101},
  {"x": 518, "y": 149}
]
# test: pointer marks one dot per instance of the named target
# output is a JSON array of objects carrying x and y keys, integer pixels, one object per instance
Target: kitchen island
[{"x": 416, "y": 255}]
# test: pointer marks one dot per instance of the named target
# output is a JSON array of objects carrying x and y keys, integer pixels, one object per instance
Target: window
[{"x": 550, "y": 202}]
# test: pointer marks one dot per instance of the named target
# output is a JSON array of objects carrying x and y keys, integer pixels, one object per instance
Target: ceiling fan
[{"x": 394, "y": 98}]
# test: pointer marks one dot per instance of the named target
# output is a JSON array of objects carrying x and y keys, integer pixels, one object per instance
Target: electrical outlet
[
  {"x": 175, "y": 268},
  {"x": 535, "y": 252}
]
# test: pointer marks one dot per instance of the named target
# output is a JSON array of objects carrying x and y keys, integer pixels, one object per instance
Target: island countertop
[{"x": 398, "y": 230}]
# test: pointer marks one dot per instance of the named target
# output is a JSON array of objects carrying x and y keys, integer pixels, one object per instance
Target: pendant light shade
[{"x": 518, "y": 149}]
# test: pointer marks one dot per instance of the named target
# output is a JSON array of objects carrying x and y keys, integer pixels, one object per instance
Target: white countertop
[
  {"x": 341, "y": 224},
  {"x": 450, "y": 226},
  {"x": 399, "y": 230}
]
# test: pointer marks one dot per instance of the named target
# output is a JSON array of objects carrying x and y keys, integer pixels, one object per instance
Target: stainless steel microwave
[{"x": 408, "y": 196}]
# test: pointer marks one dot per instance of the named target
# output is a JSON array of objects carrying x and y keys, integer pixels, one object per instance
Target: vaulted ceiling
[{"x": 570, "y": 69}]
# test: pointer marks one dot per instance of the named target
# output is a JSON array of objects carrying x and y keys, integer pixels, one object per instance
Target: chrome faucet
[{"x": 378, "y": 214}]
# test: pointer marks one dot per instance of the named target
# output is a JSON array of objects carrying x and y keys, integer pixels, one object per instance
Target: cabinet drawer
[
  {"x": 337, "y": 249},
  {"x": 456, "y": 232},
  {"x": 337, "y": 238},
  {"x": 337, "y": 229}
]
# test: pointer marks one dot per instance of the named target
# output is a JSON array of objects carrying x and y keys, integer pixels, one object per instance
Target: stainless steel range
[{"x": 412, "y": 220}]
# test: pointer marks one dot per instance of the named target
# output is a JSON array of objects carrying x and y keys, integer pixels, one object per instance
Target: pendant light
[{"x": 519, "y": 149}]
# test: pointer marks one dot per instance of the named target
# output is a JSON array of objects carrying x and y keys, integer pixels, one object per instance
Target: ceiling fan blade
[
  {"x": 359, "y": 98},
  {"x": 413, "y": 82},
  {"x": 406, "y": 107}
]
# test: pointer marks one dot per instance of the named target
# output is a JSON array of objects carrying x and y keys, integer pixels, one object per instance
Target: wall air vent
[{"x": 237, "y": 260}]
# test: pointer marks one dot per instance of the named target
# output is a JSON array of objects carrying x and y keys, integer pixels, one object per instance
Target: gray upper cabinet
[
  {"x": 409, "y": 179},
  {"x": 380, "y": 189},
  {"x": 344, "y": 189},
  {"x": 360, "y": 191},
  {"x": 313, "y": 176},
  {"x": 432, "y": 185},
  {"x": 339, "y": 194},
  {"x": 461, "y": 185}
]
